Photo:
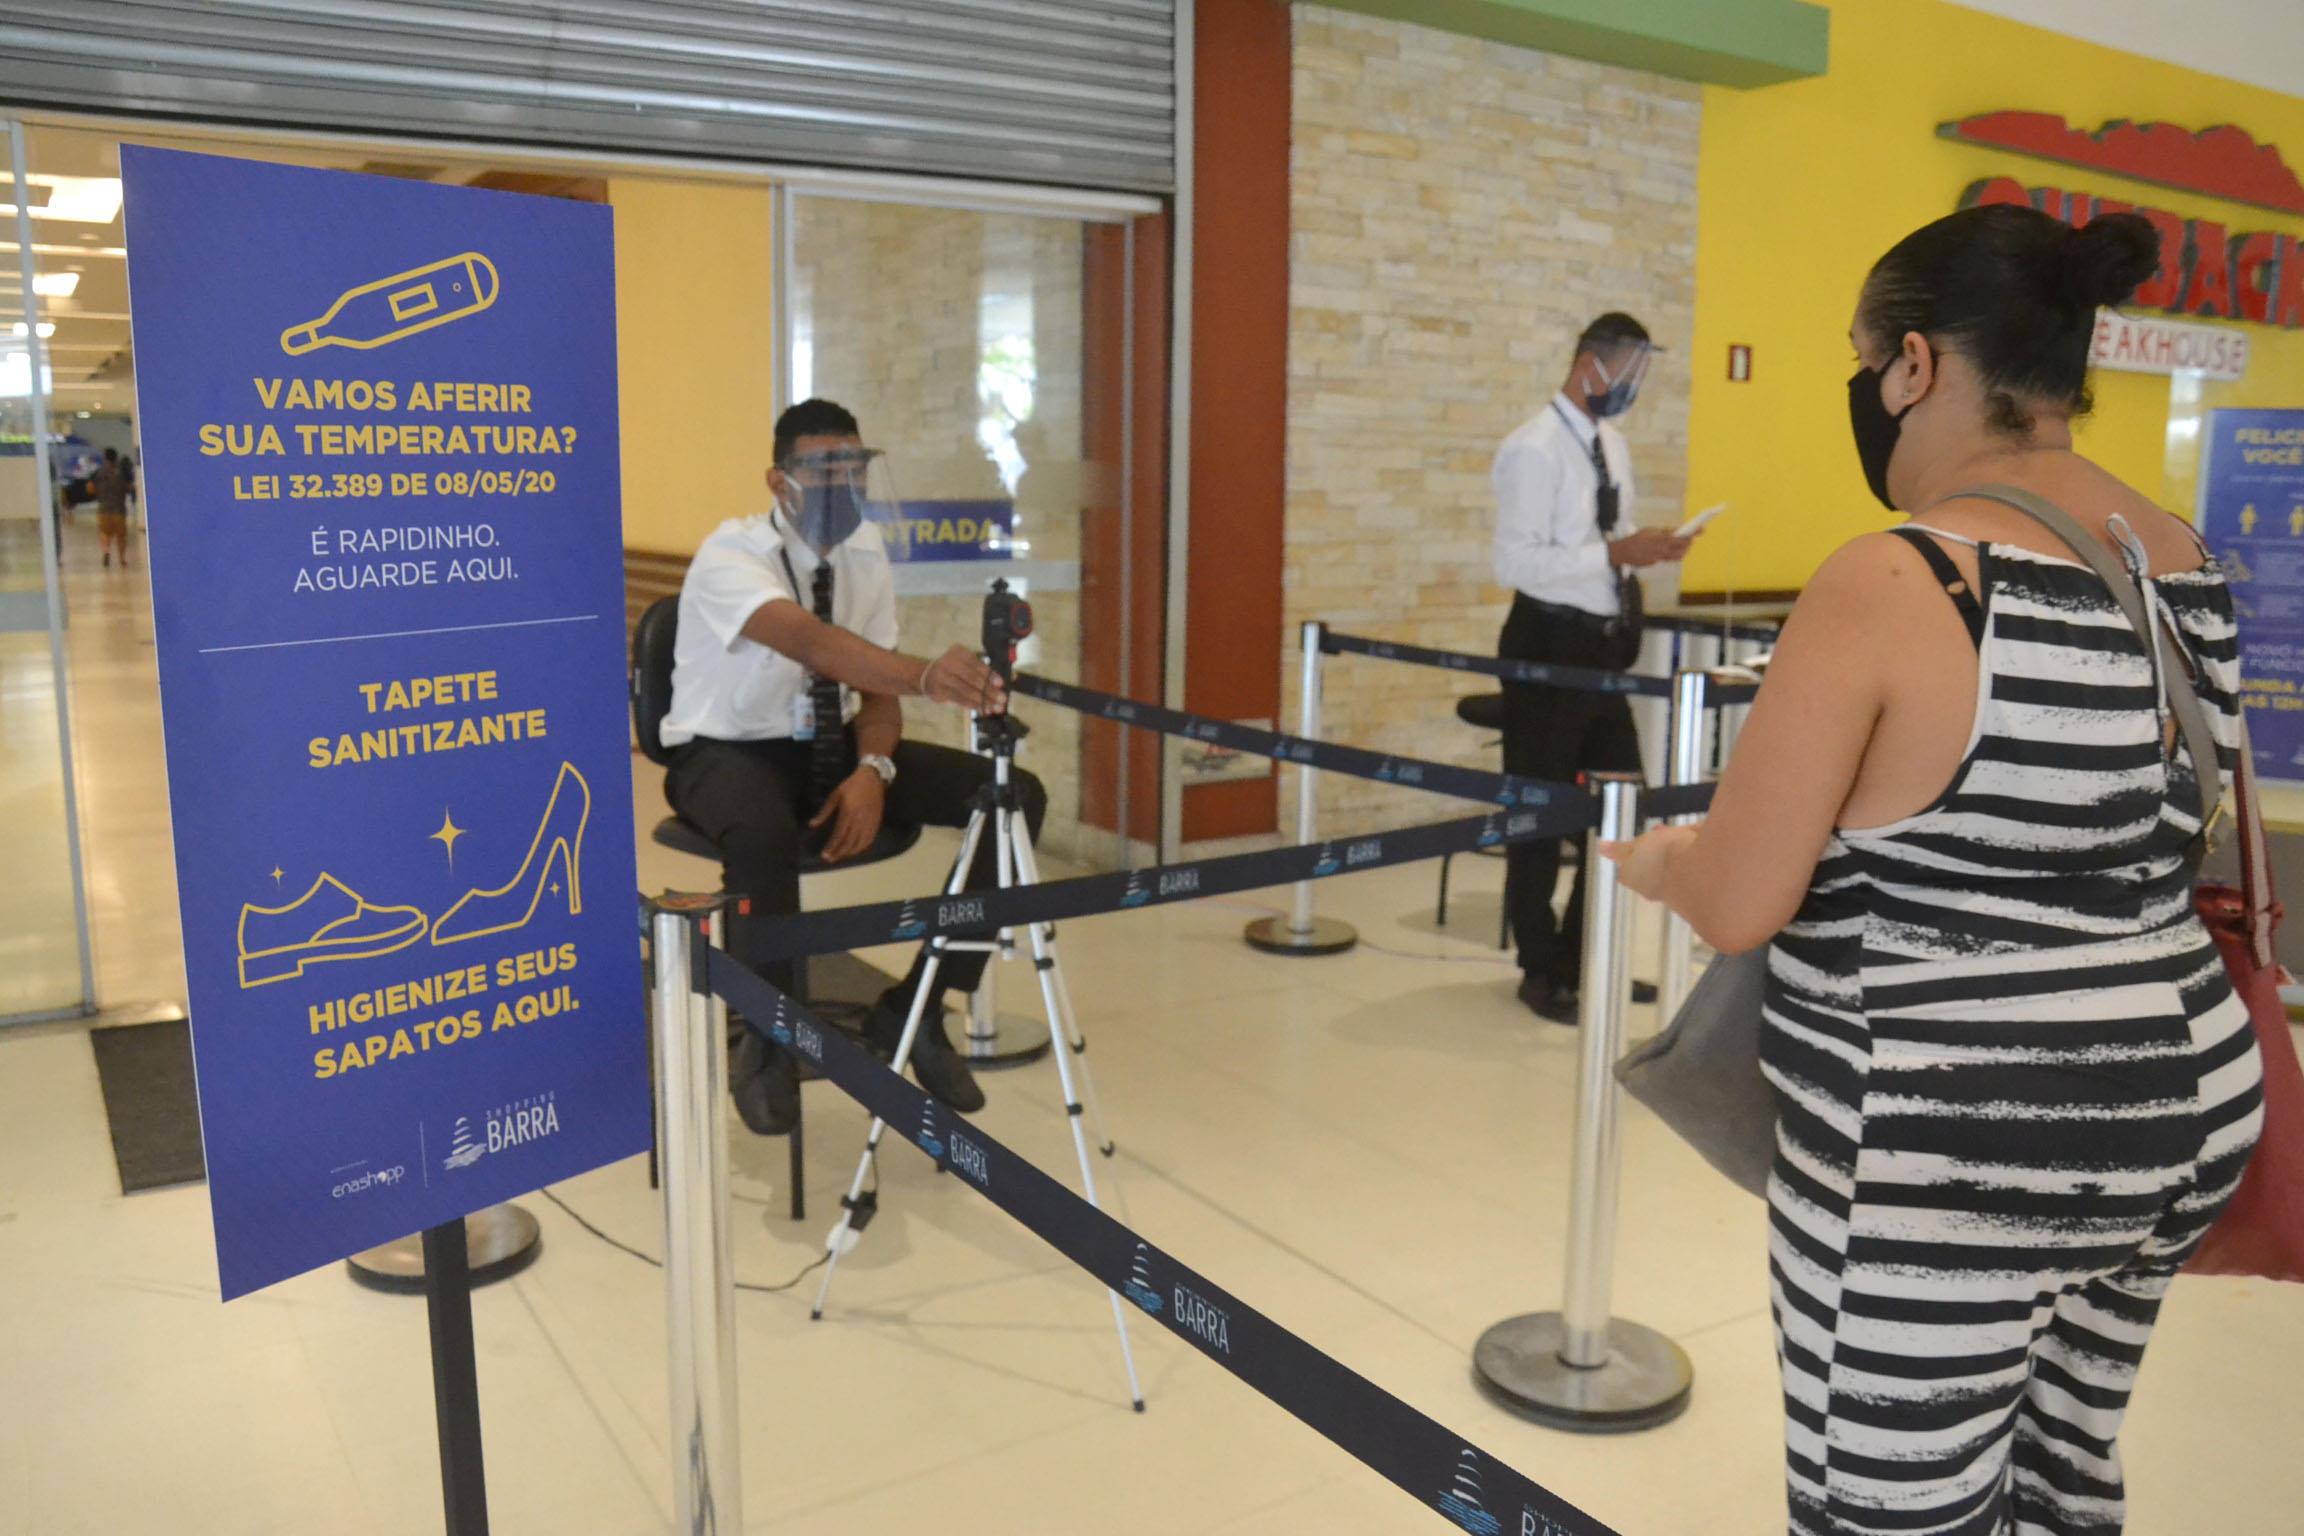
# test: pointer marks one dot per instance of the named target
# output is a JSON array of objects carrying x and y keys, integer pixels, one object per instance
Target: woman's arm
[{"x": 1740, "y": 877}]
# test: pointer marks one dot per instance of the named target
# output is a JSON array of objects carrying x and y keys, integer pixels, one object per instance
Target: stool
[
  {"x": 895, "y": 839},
  {"x": 1484, "y": 711}
]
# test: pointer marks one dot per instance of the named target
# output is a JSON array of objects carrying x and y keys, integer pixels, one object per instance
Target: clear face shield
[
  {"x": 1619, "y": 381},
  {"x": 828, "y": 494}
]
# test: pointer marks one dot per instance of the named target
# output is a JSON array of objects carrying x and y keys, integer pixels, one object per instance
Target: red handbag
[{"x": 2262, "y": 1231}]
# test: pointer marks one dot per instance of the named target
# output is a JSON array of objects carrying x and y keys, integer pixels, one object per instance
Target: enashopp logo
[
  {"x": 1460, "y": 1500},
  {"x": 374, "y": 1178},
  {"x": 1138, "y": 1287}
]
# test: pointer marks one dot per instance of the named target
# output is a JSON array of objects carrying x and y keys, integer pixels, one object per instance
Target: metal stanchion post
[
  {"x": 699, "y": 1263},
  {"x": 994, "y": 1040},
  {"x": 1578, "y": 1368},
  {"x": 1686, "y": 766},
  {"x": 1303, "y": 932}
]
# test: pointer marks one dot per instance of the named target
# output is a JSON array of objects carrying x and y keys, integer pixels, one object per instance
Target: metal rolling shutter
[{"x": 1059, "y": 92}]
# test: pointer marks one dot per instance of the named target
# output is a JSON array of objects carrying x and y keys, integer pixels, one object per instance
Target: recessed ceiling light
[
  {"x": 79, "y": 199},
  {"x": 55, "y": 285},
  {"x": 47, "y": 329}
]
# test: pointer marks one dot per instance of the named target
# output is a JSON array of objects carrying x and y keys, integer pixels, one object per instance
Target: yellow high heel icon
[
  {"x": 558, "y": 845},
  {"x": 393, "y": 308}
]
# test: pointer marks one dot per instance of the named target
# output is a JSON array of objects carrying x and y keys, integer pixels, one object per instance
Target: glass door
[
  {"x": 45, "y": 967},
  {"x": 983, "y": 351}
]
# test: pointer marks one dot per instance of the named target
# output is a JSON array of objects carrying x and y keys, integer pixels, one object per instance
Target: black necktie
[
  {"x": 1609, "y": 495},
  {"x": 828, "y": 752}
]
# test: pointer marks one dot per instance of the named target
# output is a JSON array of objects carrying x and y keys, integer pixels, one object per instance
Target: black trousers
[
  {"x": 752, "y": 798},
  {"x": 1556, "y": 733}
]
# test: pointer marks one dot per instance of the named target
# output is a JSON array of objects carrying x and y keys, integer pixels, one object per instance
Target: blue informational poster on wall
[
  {"x": 2252, "y": 515},
  {"x": 380, "y": 457}
]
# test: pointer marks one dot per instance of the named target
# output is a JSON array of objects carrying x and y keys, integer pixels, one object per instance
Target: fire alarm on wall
[{"x": 1739, "y": 365}]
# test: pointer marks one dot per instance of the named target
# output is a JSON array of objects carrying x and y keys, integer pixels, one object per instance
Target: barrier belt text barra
[
  {"x": 1327, "y": 756},
  {"x": 975, "y": 913},
  {"x": 1582, "y": 679},
  {"x": 1423, "y": 1457}
]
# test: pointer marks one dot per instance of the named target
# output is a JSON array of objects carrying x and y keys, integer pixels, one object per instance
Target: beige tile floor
[{"x": 1371, "y": 1148}]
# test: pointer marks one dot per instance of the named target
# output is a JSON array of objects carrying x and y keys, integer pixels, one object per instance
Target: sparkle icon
[
  {"x": 447, "y": 835},
  {"x": 277, "y": 872}
]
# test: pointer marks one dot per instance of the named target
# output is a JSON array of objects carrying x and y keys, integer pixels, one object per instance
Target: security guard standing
[{"x": 1567, "y": 546}]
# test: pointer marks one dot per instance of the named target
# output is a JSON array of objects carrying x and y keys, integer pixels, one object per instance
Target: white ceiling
[{"x": 2259, "y": 41}]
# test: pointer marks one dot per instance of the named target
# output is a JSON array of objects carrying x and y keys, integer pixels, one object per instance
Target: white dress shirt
[
  {"x": 731, "y": 687},
  {"x": 1548, "y": 540}
]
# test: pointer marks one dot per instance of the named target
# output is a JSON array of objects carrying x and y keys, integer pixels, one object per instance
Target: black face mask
[{"x": 1875, "y": 427}]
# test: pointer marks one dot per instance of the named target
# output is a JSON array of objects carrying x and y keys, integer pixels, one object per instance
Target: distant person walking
[{"x": 113, "y": 482}]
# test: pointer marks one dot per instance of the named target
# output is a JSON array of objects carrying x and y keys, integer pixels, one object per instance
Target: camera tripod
[{"x": 996, "y": 812}]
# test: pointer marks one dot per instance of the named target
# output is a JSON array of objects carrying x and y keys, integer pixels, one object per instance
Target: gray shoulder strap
[{"x": 2175, "y": 671}]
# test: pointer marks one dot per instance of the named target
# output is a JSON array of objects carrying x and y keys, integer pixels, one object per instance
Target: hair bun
[{"x": 2104, "y": 260}]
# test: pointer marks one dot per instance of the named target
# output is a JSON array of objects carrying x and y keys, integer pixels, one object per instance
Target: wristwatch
[{"x": 883, "y": 766}]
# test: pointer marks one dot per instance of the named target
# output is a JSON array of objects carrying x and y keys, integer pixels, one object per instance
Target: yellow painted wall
[
  {"x": 695, "y": 341},
  {"x": 1802, "y": 186}
]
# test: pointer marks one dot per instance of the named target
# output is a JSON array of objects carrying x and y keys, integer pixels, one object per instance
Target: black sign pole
[{"x": 455, "y": 1378}]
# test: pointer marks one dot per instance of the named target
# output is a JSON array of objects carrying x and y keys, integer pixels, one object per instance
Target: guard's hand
[
  {"x": 1643, "y": 862},
  {"x": 963, "y": 678},
  {"x": 1647, "y": 546},
  {"x": 854, "y": 809}
]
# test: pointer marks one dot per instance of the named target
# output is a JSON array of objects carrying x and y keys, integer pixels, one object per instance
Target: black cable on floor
[{"x": 656, "y": 1263}]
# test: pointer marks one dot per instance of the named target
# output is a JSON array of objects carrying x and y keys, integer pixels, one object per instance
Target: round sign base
[
  {"x": 1326, "y": 937},
  {"x": 503, "y": 1240},
  {"x": 1645, "y": 1382},
  {"x": 1015, "y": 1041}
]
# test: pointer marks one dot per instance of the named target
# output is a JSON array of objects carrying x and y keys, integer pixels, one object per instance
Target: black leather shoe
[
  {"x": 1643, "y": 993},
  {"x": 936, "y": 1066},
  {"x": 765, "y": 1083},
  {"x": 1547, "y": 1000}
]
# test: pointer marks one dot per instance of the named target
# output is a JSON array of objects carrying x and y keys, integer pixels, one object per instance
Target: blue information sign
[
  {"x": 379, "y": 426},
  {"x": 2252, "y": 515}
]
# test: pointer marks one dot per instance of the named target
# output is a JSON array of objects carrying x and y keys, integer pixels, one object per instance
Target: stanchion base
[
  {"x": 1328, "y": 937},
  {"x": 1015, "y": 1041},
  {"x": 503, "y": 1240},
  {"x": 1645, "y": 1383}
]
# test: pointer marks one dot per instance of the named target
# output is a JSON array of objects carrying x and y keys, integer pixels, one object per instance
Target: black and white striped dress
[{"x": 2014, "y": 1084}]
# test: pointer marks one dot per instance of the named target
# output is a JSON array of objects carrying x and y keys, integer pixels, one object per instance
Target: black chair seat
[
  {"x": 1485, "y": 710},
  {"x": 683, "y": 836}
]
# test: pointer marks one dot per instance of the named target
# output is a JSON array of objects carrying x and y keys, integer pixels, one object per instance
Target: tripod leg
[
  {"x": 1066, "y": 1026},
  {"x": 1013, "y": 843},
  {"x": 837, "y": 1243}
]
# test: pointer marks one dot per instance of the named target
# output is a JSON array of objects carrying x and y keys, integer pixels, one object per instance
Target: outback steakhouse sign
[{"x": 2206, "y": 268}]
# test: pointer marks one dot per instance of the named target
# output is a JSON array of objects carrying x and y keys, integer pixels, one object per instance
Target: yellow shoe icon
[
  {"x": 558, "y": 846},
  {"x": 330, "y": 921}
]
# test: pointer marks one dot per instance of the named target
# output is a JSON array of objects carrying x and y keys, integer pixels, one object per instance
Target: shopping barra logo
[
  {"x": 1138, "y": 1286},
  {"x": 1134, "y": 895},
  {"x": 1460, "y": 1500},
  {"x": 1363, "y": 851},
  {"x": 502, "y": 1129},
  {"x": 908, "y": 924},
  {"x": 1489, "y": 836},
  {"x": 1208, "y": 1324},
  {"x": 930, "y": 1142},
  {"x": 1326, "y": 863},
  {"x": 969, "y": 1160}
]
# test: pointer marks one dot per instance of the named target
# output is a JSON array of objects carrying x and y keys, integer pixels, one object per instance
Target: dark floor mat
[{"x": 146, "y": 1073}]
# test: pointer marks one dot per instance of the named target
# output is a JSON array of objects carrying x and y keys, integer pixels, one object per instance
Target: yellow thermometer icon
[{"x": 392, "y": 308}]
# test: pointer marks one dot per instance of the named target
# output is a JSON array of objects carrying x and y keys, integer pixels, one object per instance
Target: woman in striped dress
[{"x": 2014, "y": 1085}]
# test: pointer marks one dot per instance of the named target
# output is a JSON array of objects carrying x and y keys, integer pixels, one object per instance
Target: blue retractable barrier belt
[
  {"x": 1423, "y": 1457},
  {"x": 1544, "y": 673},
  {"x": 974, "y": 913},
  {"x": 1327, "y": 756}
]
